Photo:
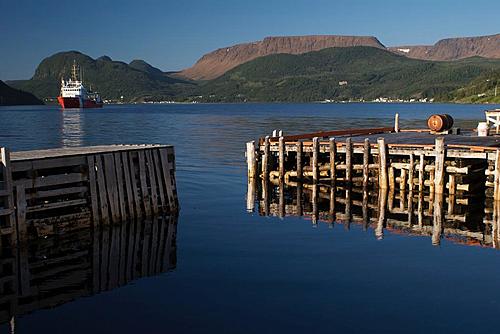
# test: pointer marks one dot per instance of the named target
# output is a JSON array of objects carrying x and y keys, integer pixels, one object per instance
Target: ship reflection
[
  {"x": 472, "y": 221},
  {"x": 61, "y": 268},
  {"x": 72, "y": 127}
]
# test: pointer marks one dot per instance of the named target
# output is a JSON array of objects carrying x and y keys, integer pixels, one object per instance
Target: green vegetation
[
  {"x": 483, "y": 89},
  {"x": 10, "y": 96},
  {"x": 370, "y": 73},
  {"x": 138, "y": 81},
  {"x": 335, "y": 74}
]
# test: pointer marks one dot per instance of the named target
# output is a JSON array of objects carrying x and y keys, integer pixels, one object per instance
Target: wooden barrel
[{"x": 440, "y": 123}]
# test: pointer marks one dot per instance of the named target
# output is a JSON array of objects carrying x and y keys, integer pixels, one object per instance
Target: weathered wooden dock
[
  {"x": 50, "y": 191},
  {"x": 388, "y": 158}
]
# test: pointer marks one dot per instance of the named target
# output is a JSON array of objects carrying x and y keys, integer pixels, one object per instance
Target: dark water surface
[{"x": 243, "y": 273}]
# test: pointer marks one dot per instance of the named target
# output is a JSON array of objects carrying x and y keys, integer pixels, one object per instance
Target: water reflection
[
  {"x": 465, "y": 220},
  {"x": 61, "y": 268},
  {"x": 72, "y": 132}
]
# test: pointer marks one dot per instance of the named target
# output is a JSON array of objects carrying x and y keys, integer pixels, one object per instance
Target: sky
[{"x": 172, "y": 35}]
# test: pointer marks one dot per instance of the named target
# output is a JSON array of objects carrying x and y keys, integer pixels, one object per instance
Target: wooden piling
[
  {"x": 315, "y": 157},
  {"x": 382, "y": 152},
  {"x": 333, "y": 152},
  {"x": 421, "y": 171},
  {"x": 348, "y": 160},
  {"x": 299, "y": 160},
  {"x": 496, "y": 188},
  {"x": 266, "y": 158},
  {"x": 396, "y": 122},
  {"x": 251, "y": 160},
  {"x": 439, "y": 165},
  {"x": 366, "y": 162}
]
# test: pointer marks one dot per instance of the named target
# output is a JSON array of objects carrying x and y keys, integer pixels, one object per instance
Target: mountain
[
  {"x": 362, "y": 73},
  {"x": 454, "y": 48},
  {"x": 216, "y": 63},
  {"x": 10, "y": 96},
  {"x": 137, "y": 81}
]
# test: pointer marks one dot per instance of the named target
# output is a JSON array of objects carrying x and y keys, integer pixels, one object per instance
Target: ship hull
[{"x": 75, "y": 102}]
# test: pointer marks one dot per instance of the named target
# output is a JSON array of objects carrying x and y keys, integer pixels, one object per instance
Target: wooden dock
[
  {"x": 55, "y": 190},
  {"x": 409, "y": 160}
]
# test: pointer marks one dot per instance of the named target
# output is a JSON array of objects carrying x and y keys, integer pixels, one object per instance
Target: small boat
[{"x": 75, "y": 95}]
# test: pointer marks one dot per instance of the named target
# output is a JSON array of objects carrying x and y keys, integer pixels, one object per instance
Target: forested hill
[
  {"x": 355, "y": 73},
  {"x": 137, "y": 81},
  {"x": 10, "y": 96}
]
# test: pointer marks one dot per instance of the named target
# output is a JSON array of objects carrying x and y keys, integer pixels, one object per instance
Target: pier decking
[{"x": 50, "y": 191}]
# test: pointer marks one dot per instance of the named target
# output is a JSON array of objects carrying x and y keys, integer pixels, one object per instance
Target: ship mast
[{"x": 75, "y": 72}]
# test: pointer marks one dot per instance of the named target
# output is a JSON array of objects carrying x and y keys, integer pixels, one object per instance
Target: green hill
[
  {"x": 10, "y": 96},
  {"x": 483, "y": 89},
  {"x": 368, "y": 72},
  {"x": 137, "y": 81}
]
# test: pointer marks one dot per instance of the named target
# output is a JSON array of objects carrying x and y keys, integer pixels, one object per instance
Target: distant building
[{"x": 342, "y": 83}]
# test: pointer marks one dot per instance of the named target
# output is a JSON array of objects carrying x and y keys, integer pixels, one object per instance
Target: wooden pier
[
  {"x": 55, "y": 190},
  {"x": 387, "y": 158}
]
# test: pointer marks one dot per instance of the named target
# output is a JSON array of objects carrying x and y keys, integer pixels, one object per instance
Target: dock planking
[{"x": 55, "y": 190}]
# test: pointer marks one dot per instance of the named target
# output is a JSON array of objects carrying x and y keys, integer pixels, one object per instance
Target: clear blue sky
[{"x": 172, "y": 35}]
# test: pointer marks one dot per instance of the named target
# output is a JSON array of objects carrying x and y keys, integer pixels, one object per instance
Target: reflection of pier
[
  {"x": 465, "y": 220},
  {"x": 64, "y": 267}
]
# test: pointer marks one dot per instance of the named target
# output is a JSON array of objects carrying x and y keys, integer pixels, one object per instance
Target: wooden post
[
  {"x": 251, "y": 195},
  {"x": 275, "y": 133},
  {"x": 333, "y": 152},
  {"x": 452, "y": 184},
  {"x": 265, "y": 159},
  {"x": 281, "y": 209},
  {"x": 392, "y": 179},
  {"x": 421, "y": 172},
  {"x": 382, "y": 203},
  {"x": 348, "y": 160},
  {"x": 280, "y": 133},
  {"x": 366, "y": 162},
  {"x": 22, "y": 229},
  {"x": 410, "y": 192},
  {"x": 496, "y": 188},
  {"x": 396, "y": 122},
  {"x": 8, "y": 211},
  {"x": 315, "y": 166},
  {"x": 332, "y": 215},
  {"x": 314, "y": 200},
  {"x": 251, "y": 160},
  {"x": 281, "y": 151},
  {"x": 411, "y": 172},
  {"x": 440, "y": 167},
  {"x": 299, "y": 160},
  {"x": 299, "y": 198},
  {"x": 382, "y": 163},
  {"x": 437, "y": 219}
]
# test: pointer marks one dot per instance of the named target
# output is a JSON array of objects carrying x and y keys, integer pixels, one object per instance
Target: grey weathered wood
[
  {"x": 167, "y": 178},
  {"x": 496, "y": 190},
  {"x": 366, "y": 162},
  {"x": 22, "y": 229},
  {"x": 251, "y": 160},
  {"x": 315, "y": 157},
  {"x": 94, "y": 201},
  {"x": 101, "y": 189},
  {"x": 51, "y": 180},
  {"x": 382, "y": 153},
  {"x": 159, "y": 179},
  {"x": 120, "y": 184},
  {"x": 281, "y": 157},
  {"x": 299, "y": 159},
  {"x": 266, "y": 158},
  {"x": 411, "y": 172},
  {"x": 152, "y": 182},
  {"x": 128, "y": 184},
  {"x": 421, "y": 172},
  {"x": 440, "y": 167},
  {"x": 348, "y": 160},
  {"x": 333, "y": 153},
  {"x": 146, "y": 198},
  {"x": 111, "y": 187},
  {"x": 134, "y": 168}
]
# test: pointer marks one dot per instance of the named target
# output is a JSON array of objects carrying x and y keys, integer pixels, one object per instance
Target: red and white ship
[{"x": 75, "y": 95}]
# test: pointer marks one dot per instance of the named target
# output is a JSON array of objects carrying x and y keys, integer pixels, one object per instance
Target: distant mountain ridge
[
  {"x": 10, "y": 96},
  {"x": 454, "y": 48},
  {"x": 216, "y": 63},
  {"x": 115, "y": 80}
]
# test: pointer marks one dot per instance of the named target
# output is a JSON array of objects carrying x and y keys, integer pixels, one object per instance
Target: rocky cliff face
[
  {"x": 454, "y": 48},
  {"x": 219, "y": 61}
]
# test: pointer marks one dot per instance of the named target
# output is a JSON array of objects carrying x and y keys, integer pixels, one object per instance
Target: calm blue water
[{"x": 243, "y": 273}]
